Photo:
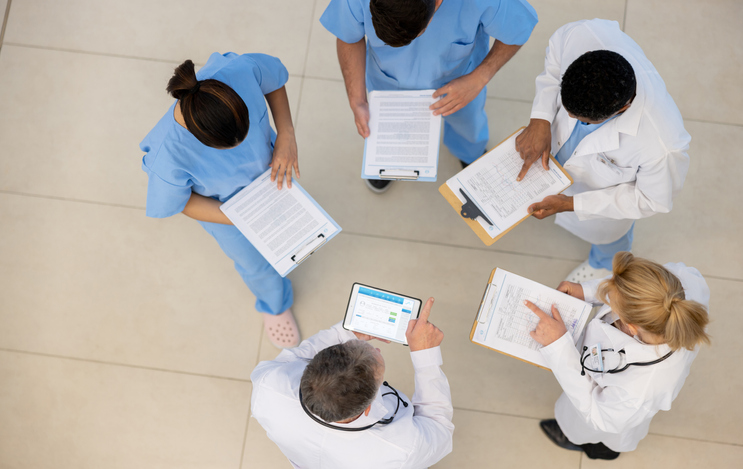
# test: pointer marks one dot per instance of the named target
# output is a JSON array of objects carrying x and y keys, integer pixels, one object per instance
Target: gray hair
[{"x": 341, "y": 381}]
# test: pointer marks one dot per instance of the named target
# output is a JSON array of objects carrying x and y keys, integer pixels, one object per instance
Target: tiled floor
[{"x": 128, "y": 342}]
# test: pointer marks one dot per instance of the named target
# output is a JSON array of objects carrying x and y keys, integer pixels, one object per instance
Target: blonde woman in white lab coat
[
  {"x": 649, "y": 330},
  {"x": 603, "y": 110}
]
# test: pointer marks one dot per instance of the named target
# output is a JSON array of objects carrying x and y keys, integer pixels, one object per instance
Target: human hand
[
  {"x": 284, "y": 159},
  {"x": 458, "y": 93},
  {"x": 368, "y": 337},
  {"x": 573, "y": 289},
  {"x": 549, "y": 329},
  {"x": 361, "y": 117},
  {"x": 421, "y": 334},
  {"x": 533, "y": 143},
  {"x": 551, "y": 205}
]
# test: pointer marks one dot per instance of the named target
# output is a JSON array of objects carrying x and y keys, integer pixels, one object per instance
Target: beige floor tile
[
  {"x": 71, "y": 414},
  {"x": 322, "y": 60},
  {"x": 260, "y": 451},
  {"x": 697, "y": 52},
  {"x": 516, "y": 79},
  {"x": 331, "y": 150},
  {"x": 89, "y": 114},
  {"x": 707, "y": 407},
  {"x": 106, "y": 283},
  {"x": 480, "y": 379},
  {"x": 658, "y": 451},
  {"x": 492, "y": 440},
  {"x": 167, "y": 30},
  {"x": 703, "y": 229},
  {"x": 3, "y": 7}
]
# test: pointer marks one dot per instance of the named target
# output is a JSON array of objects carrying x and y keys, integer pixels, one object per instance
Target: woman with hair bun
[
  {"x": 214, "y": 140},
  {"x": 648, "y": 332}
]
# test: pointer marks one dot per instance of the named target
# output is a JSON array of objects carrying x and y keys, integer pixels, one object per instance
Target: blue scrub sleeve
[
  {"x": 163, "y": 198},
  {"x": 269, "y": 72},
  {"x": 345, "y": 19},
  {"x": 509, "y": 21}
]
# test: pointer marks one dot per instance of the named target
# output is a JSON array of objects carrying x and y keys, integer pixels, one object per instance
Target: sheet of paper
[
  {"x": 404, "y": 134},
  {"x": 491, "y": 183},
  {"x": 279, "y": 223},
  {"x": 504, "y": 322}
]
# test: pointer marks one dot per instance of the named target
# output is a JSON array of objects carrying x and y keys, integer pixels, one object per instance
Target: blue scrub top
[
  {"x": 455, "y": 42},
  {"x": 177, "y": 163}
]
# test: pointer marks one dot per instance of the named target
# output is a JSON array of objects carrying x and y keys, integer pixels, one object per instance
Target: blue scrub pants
[
  {"x": 601, "y": 255},
  {"x": 274, "y": 294},
  {"x": 466, "y": 131}
]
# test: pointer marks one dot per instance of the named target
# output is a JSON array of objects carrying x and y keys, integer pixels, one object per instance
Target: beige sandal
[{"x": 282, "y": 329}]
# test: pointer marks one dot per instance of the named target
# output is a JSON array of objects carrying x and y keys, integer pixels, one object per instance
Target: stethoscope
[
  {"x": 585, "y": 356},
  {"x": 357, "y": 429}
]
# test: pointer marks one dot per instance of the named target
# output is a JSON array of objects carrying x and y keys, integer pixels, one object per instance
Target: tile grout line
[
  {"x": 490, "y": 412},
  {"x": 245, "y": 436},
  {"x": 624, "y": 19},
  {"x": 713, "y": 122},
  {"x": 351, "y": 233},
  {"x": 125, "y": 365},
  {"x": 6, "y": 13},
  {"x": 309, "y": 37}
]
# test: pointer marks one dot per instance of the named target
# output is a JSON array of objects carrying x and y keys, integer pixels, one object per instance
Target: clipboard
[
  {"x": 478, "y": 318},
  {"x": 405, "y": 172},
  {"x": 469, "y": 211},
  {"x": 303, "y": 246}
]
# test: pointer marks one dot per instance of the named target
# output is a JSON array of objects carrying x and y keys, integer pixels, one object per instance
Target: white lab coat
[
  {"x": 632, "y": 166},
  {"x": 420, "y": 434},
  {"x": 616, "y": 409}
]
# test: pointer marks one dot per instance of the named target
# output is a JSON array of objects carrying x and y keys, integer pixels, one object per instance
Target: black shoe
[
  {"x": 377, "y": 186},
  {"x": 464, "y": 165},
  {"x": 599, "y": 451},
  {"x": 555, "y": 434}
]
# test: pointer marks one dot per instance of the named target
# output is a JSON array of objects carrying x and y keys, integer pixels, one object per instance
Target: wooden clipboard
[
  {"x": 474, "y": 326},
  {"x": 456, "y": 204}
]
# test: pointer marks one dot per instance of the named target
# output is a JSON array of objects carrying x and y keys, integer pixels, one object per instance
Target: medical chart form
[
  {"x": 490, "y": 182},
  {"x": 283, "y": 225},
  {"x": 504, "y": 321},
  {"x": 404, "y": 135}
]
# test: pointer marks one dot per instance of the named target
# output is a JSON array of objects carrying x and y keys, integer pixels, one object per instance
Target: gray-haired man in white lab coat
[{"x": 326, "y": 404}]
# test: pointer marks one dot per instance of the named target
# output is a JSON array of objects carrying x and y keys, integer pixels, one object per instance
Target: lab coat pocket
[
  {"x": 459, "y": 51},
  {"x": 608, "y": 170}
]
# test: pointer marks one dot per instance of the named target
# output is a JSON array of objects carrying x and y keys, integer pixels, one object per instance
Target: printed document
[
  {"x": 504, "y": 321},
  {"x": 285, "y": 225},
  {"x": 490, "y": 182},
  {"x": 404, "y": 135}
]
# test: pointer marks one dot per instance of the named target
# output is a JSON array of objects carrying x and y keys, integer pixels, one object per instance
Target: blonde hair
[{"x": 645, "y": 294}]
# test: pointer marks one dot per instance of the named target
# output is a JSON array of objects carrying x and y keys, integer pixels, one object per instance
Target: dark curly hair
[
  {"x": 597, "y": 85},
  {"x": 398, "y": 22}
]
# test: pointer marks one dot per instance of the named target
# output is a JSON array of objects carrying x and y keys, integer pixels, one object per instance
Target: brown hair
[
  {"x": 341, "y": 381},
  {"x": 214, "y": 113},
  {"x": 645, "y": 294}
]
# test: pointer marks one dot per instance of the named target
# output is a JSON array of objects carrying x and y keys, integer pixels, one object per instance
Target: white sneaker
[{"x": 585, "y": 272}]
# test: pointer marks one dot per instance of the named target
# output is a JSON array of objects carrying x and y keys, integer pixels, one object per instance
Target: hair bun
[
  {"x": 183, "y": 83},
  {"x": 622, "y": 261}
]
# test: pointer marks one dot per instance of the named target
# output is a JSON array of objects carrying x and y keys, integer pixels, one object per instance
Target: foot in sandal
[{"x": 282, "y": 329}]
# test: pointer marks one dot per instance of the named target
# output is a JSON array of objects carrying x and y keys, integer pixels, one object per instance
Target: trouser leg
[
  {"x": 601, "y": 255},
  {"x": 274, "y": 294},
  {"x": 466, "y": 131}
]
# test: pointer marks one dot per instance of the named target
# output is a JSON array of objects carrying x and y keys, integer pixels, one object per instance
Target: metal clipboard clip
[
  {"x": 487, "y": 309},
  {"x": 470, "y": 210},
  {"x": 405, "y": 174},
  {"x": 309, "y": 249}
]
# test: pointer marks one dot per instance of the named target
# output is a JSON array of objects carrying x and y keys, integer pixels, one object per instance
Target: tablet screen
[{"x": 380, "y": 313}]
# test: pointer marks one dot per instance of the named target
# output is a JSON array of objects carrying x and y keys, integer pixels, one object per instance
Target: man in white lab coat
[
  {"x": 325, "y": 403},
  {"x": 604, "y": 112}
]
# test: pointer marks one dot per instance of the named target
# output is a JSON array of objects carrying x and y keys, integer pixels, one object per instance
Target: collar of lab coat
[
  {"x": 635, "y": 351},
  {"x": 607, "y": 137},
  {"x": 378, "y": 411}
]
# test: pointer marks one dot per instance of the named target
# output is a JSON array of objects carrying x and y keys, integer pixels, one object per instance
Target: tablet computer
[{"x": 380, "y": 313}]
